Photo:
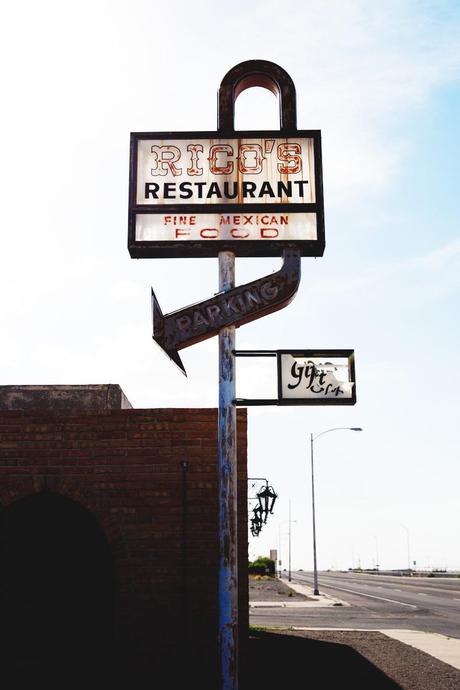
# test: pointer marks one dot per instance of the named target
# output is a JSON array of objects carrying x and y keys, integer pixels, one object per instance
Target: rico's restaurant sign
[{"x": 197, "y": 193}]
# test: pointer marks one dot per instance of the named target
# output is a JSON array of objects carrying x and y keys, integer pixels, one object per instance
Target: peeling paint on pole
[
  {"x": 228, "y": 542},
  {"x": 241, "y": 77}
]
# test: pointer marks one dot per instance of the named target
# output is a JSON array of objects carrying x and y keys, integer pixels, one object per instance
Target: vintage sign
[
  {"x": 228, "y": 193},
  {"x": 312, "y": 377},
  {"x": 197, "y": 193},
  {"x": 240, "y": 305},
  {"x": 309, "y": 377}
]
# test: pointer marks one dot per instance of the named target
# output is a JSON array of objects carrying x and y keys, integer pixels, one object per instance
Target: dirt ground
[
  {"x": 312, "y": 660},
  {"x": 272, "y": 589}
]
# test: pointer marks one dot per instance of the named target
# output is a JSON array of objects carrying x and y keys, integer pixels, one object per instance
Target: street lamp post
[
  {"x": 280, "y": 558},
  {"x": 315, "y": 566},
  {"x": 376, "y": 552},
  {"x": 313, "y": 438},
  {"x": 288, "y": 534},
  {"x": 290, "y": 521},
  {"x": 408, "y": 548}
]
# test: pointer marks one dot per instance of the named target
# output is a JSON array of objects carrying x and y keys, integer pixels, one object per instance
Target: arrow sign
[{"x": 236, "y": 307}]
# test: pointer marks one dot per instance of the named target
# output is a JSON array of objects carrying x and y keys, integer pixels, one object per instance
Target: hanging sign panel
[
  {"x": 316, "y": 377},
  {"x": 308, "y": 377},
  {"x": 194, "y": 194}
]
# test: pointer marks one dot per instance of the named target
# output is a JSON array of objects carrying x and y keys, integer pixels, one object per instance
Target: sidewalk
[
  {"x": 444, "y": 648},
  {"x": 319, "y": 601}
]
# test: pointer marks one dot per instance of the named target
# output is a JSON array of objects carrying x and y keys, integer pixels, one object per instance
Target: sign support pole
[{"x": 227, "y": 468}]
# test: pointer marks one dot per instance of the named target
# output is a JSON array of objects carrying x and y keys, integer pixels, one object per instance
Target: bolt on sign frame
[{"x": 227, "y": 194}]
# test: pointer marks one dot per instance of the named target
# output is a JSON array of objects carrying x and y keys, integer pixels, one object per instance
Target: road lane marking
[
  {"x": 412, "y": 585},
  {"x": 372, "y": 596},
  {"x": 422, "y": 594},
  {"x": 456, "y": 599}
]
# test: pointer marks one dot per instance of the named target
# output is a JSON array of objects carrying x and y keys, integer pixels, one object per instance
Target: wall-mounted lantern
[{"x": 267, "y": 498}]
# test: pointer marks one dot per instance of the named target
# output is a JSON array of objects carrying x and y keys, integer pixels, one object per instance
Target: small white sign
[{"x": 315, "y": 377}]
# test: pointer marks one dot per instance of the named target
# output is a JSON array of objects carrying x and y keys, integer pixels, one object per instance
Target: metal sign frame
[
  {"x": 349, "y": 354},
  {"x": 210, "y": 248}
]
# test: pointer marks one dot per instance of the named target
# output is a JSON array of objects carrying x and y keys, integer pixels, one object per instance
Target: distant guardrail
[{"x": 407, "y": 573}]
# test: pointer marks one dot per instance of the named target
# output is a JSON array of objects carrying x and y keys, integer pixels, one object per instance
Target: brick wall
[{"x": 160, "y": 518}]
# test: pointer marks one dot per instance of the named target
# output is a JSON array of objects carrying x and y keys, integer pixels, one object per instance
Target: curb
[
  {"x": 318, "y": 601},
  {"x": 291, "y": 604},
  {"x": 325, "y": 599}
]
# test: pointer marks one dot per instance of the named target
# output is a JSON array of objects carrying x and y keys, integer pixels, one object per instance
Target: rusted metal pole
[
  {"x": 228, "y": 542},
  {"x": 241, "y": 77}
]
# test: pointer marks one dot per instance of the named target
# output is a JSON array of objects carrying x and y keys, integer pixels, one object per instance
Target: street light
[
  {"x": 288, "y": 534},
  {"x": 408, "y": 548},
  {"x": 290, "y": 522},
  {"x": 376, "y": 553},
  {"x": 313, "y": 438}
]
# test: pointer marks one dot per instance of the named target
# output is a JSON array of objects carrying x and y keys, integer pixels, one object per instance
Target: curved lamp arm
[{"x": 336, "y": 428}]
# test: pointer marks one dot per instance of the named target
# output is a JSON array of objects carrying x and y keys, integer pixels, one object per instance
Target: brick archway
[
  {"x": 95, "y": 501},
  {"x": 56, "y": 593}
]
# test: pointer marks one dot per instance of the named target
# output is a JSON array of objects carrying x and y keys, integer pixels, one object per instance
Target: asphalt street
[{"x": 375, "y": 602}]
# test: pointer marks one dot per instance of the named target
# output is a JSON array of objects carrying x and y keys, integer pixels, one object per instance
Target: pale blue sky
[{"x": 381, "y": 80}]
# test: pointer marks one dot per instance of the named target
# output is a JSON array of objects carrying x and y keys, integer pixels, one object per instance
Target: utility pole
[
  {"x": 289, "y": 571},
  {"x": 315, "y": 565}
]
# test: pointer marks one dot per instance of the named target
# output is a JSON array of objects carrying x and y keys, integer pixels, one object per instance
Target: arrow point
[
  {"x": 174, "y": 356},
  {"x": 159, "y": 334}
]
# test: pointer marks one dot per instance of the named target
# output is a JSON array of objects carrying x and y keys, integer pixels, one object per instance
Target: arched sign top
[
  {"x": 253, "y": 193},
  {"x": 261, "y": 73}
]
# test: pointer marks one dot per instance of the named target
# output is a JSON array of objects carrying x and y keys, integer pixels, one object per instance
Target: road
[{"x": 376, "y": 602}]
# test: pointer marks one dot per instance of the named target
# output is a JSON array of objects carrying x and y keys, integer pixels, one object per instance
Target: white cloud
[
  {"x": 436, "y": 260},
  {"x": 443, "y": 261}
]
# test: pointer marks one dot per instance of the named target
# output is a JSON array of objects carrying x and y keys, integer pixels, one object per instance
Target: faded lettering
[
  {"x": 319, "y": 378},
  {"x": 164, "y": 160},
  {"x": 269, "y": 290}
]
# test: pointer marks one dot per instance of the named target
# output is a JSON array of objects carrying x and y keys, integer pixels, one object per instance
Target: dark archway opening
[{"x": 56, "y": 596}]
